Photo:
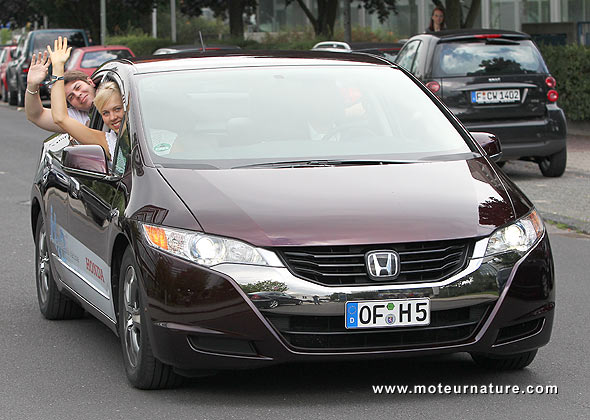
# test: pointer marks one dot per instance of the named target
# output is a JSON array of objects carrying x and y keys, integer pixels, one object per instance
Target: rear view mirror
[
  {"x": 489, "y": 143},
  {"x": 88, "y": 159}
]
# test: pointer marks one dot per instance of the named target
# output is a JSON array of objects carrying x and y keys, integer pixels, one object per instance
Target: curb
[{"x": 575, "y": 224}]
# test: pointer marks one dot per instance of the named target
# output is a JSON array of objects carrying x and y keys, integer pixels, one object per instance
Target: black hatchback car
[
  {"x": 311, "y": 174},
  {"x": 32, "y": 43},
  {"x": 495, "y": 81}
]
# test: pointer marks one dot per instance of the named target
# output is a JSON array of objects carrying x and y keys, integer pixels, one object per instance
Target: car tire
[
  {"x": 143, "y": 370},
  {"x": 273, "y": 304},
  {"x": 554, "y": 165},
  {"x": 11, "y": 97},
  {"x": 512, "y": 362},
  {"x": 20, "y": 97},
  {"x": 52, "y": 303}
]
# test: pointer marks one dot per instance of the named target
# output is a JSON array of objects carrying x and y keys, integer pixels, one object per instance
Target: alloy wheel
[
  {"x": 43, "y": 269},
  {"x": 132, "y": 334}
]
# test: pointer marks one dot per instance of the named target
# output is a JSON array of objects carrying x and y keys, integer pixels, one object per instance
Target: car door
[
  {"x": 55, "y": 183},
  {"x": 90, "y": 216}
]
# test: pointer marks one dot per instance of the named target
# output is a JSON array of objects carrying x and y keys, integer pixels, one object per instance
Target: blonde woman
[{"x": 107, "y": 101}]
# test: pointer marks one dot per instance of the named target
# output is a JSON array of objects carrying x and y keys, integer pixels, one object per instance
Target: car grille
[
  {"x": 451, "y": 326},
  {"x": 345, "y": 265}
]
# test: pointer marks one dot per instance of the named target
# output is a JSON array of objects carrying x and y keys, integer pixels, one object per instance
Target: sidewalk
[{"x": 579, "y": 128}]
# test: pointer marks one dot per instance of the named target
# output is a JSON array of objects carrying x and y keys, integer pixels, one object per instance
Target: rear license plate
[
  {"x": 500, "y": 96},
  {"x": 388, "y": 313}
]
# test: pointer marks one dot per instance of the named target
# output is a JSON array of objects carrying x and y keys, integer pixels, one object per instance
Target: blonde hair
[{"x": 105, "y": 92}]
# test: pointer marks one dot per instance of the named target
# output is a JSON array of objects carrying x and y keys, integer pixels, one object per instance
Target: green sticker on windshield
[{"x": 162, "y": 148}]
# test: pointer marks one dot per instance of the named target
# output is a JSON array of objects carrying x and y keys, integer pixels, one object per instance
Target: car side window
[{"x": 407, "y": 57}]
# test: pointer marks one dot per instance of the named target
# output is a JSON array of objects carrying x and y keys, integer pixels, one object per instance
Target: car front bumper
[{"x": 203, "y": 319}]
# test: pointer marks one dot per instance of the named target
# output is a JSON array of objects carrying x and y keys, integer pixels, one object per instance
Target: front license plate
[
  {"x": 388, "y": 313},
  {"x": 500, "y": 96}
]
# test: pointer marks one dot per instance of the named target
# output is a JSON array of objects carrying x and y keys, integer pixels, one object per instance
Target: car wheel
[
  {"x": 52, "y": 303},
  {"x": 143, "y": 370},
  {"x": 512, "y": 362},
  {"x": 11, "y": 96},
  {"x": 20, "y": 97},
  {"x": 273, "y": 304},
  {"x": 4, "y": 93},
  {"x": 554, "y": 165}
]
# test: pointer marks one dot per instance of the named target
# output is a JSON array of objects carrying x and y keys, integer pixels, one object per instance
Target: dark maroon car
[{"x": 336, "y": 179}]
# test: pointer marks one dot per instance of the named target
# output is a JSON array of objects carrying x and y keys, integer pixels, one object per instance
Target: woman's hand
[{"x": 60, "y": 53}]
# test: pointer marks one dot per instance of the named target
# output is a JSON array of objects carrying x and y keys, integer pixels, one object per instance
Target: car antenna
[{"x": 202, "y": 43}]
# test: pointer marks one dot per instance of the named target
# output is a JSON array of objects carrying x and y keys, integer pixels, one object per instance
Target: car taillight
[
  {"x": 434, "y": 86},
  {"x": 550, "y": 82},
  {"x": 255, "y": 297},
  {"x": 486, "y": 36},
  {"x": 552, "y": 95}
]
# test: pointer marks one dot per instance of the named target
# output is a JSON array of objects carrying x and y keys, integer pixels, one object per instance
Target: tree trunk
[
  {"x": 453, "y": 14},
  {"x": 236, "y": 22},
  {"x": 474, "y": 11}
]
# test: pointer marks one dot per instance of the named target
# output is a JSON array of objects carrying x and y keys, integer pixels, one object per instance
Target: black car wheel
[
  {"x": 52, "y": 303},
  {"x": 20, "y": 97},
  {"x": 11, "y": 96},
  {"x": 143, "y": 370},
  {"x": 512, "y": 362},
  {"x": 554, "y": 165},
  {"x": 273, "y": 304}
]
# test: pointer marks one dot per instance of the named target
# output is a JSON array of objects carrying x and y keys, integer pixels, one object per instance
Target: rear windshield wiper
[{"x": 323, "y": 162}]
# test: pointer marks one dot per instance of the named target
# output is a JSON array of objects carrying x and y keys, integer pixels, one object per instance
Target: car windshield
[
  {"x": 96, "y": 58},
  {"x": 43, "y": 39},
  {"x": 238, "y": 116},
  {"x": 486, "y": 59}
]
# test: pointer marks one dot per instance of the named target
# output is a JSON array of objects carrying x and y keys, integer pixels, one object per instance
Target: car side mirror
[
  {"x": 489, "y": 143},
  {"x": 86, "y": 160}
]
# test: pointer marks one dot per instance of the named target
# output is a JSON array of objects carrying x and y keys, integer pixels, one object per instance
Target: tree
[
  {"x": 234, "y": 9},
  {"x": 327, "y": 10},
  {"x": 77, "y": 13},
  {"x": 454, "y": 13}
]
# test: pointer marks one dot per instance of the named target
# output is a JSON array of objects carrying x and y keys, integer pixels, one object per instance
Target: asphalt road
[{"x": 73, "y": 369}]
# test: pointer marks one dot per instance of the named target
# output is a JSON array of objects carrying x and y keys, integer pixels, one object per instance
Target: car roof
[
  {"x": 103, "y": 48},
  {"x": 465, "y": 34},
  {"x": 232, "y": 59}
]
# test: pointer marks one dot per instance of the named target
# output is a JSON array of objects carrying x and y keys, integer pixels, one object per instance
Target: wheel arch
[
  {"x": 35, "y": 210},
  {"x": 120, "y": 245}
]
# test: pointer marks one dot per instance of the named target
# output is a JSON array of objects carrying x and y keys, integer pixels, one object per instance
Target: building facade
[{"x": 414, "y": 15}]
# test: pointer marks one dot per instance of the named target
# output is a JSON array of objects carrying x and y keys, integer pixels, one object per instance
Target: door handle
[{"x": 74, "y": 188}]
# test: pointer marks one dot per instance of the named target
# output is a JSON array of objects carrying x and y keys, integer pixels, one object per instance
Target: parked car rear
[
  {"x": 88, "y": 59},
  {"x": 495, "y": 81},
  {"x": 32, "y": 43},
  {"x": 5, "y": 58}
]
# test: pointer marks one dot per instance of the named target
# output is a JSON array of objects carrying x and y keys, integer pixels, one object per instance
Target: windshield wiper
[{"x": 323, "y": 162}]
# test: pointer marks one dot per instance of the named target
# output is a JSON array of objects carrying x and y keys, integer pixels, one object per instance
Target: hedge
[
  {"x": 570, "y": 65},
  {"x": 140, "y": 44}
]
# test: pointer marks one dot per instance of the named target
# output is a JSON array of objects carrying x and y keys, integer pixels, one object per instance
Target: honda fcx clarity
[{"x": 334, "y": 185}]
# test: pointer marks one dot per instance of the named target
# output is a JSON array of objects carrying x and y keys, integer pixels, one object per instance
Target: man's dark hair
[{"x": 74, "y": 75}]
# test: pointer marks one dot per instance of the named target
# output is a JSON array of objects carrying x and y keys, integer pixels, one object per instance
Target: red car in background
[
  {"x": 88, "y": 59},
  {"x": 5, "y": 58}
]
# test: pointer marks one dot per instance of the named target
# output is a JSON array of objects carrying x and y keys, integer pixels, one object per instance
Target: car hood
[{"x": 347, "y": 205}]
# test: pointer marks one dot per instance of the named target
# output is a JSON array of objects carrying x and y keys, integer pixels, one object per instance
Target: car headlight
[
  {"x": 519, "y": 236},
  {"x": 207, "y": 250}
]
